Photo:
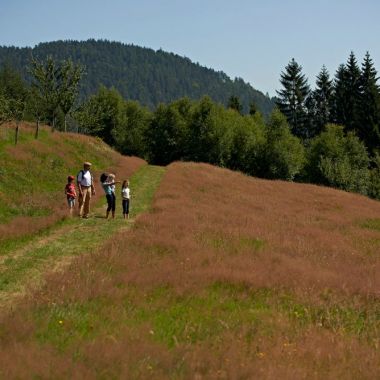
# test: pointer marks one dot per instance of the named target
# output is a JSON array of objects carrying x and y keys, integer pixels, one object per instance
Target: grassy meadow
[
  {"x": 33, "y": 175},
  {"x": 216, "y": 276}
]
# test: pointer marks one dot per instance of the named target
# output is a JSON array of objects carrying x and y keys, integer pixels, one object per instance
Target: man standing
[{"x": 86, "y": 189}]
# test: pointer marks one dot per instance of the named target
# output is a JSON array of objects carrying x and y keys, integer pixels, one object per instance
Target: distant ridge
[{"x": 140, "y": 73}]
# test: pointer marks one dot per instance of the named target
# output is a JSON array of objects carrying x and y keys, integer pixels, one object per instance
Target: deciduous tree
[
  {"x": 69, "y": 78},
  {"x": 46, "y": 83},
  {"x": 339, "y": 160}
]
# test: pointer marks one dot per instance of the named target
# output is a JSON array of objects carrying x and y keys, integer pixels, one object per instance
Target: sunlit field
[
  {"x": 227, "y": 277},
  {"x": 34, "y": 173}
]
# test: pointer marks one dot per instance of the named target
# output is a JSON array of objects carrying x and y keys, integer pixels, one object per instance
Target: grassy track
[{"x": 23, "y": 268}]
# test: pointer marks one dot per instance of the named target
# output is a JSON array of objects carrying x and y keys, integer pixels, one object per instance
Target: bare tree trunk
[
  {"x": 17, "y": 131},
  {"x": 53, "y": 126},
  {"x": 37, "y": 128},
  {"x": 65, "y": 123}
]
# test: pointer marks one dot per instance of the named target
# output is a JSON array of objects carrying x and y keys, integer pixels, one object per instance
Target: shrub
[
  {"x": 283, "y": 155},
  {"x": 338, "y": 160},
  {"x": 247, "y": 143},
  {"x": 374, "y": 178}
]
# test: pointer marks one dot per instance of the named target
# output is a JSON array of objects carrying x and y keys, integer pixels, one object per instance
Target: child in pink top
[{"x": 70, "y": 192}]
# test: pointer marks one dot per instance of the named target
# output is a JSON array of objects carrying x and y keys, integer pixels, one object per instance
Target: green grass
[
  {"x": 64, "y": 325},
  {"x": 168, "y": 318},
  {"x": 172, "y": 319},
  {"x": 44, "y": 172},
  {"x": 371, "y": 224},
  {"x": 143, "y": 187},
  {"x": 7, "y": 136},
  {"x": 27, "y": 259}
]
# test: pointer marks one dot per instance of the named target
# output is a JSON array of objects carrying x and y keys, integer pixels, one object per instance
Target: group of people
[{"x": 86, "y": 189}]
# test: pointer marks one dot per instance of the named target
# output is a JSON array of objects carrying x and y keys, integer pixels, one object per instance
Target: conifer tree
[
  {"x": 369, "y": 105},
  {"x": 352, "y": 94},
  {"x": 339, "y": 95},
  {"x": 323, "y": 98},
  {"x": 311, "y": 111},
  {"x": 347, "y": 94},
  {"x": 235, "y": 104},
  {"x": 252, "y": 109},
  {"x": 292, "y": 98}
]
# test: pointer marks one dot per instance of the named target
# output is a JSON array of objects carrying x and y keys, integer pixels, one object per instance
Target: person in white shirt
[
  {"x": 125, "y": 195},
  {"x": 86, "y": 189}
]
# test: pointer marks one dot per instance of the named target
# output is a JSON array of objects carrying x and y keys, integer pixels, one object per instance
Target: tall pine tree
[
  {"x": 369, "y": 106},
  {"x": 353, "y": 93},
  {"x": 235, "y": 104},
  {"x": 347, "y": 94},
  {"x": 323, "y": 98},
  {"x": 339, "y": 94},
  {"x": 292, "y": 98}
]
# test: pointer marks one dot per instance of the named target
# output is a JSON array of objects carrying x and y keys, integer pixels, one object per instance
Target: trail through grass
[{"x": 23, "y": 268}]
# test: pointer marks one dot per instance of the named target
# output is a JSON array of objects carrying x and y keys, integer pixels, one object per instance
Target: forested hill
[{"x": 140, "y": 73}]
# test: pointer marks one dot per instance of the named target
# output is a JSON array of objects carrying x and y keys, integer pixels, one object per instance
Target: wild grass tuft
[{"x": 371, "y": 224}]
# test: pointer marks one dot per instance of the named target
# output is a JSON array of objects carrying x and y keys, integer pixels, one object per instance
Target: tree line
[
  {"x": 201, "y": 130},
  {"x": 205, "y": 131},
  {"x": 351, "y": 99}
]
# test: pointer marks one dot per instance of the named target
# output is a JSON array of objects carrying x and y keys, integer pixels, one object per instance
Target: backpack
[{"x": 103, "y": 177}]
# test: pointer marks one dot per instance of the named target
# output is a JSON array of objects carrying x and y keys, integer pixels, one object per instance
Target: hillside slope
[
  {"x": 34, "y": 173},
  {"x": 142, "y": 74},
  {"x": 227, "y": 277}
]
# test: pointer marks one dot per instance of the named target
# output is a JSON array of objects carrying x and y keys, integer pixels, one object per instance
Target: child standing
[
  {"x": 71, "y": 193},
  {"x": 125, "y": 194}
]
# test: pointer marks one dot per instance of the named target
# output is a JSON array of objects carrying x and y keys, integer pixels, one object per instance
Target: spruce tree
[
  {"x": 369, "y": 106},
  {"x": 252, "y": 109},
  {"x": 235, "y": 104},
  {"x": 351, "y": 88},
  {"x": 339, "y": 95},
  {"x": 353, "y": 93},
  {"x": 323, "y": 99},
  {"x": 311, "y": 111},
  {"x": 292, "y": 98}
]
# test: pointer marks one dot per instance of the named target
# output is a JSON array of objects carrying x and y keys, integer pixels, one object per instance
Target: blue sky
[{"x": 252, "y": 39}]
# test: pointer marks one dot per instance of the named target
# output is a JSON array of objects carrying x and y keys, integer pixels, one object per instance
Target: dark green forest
[{"x": 147, "y": 76}]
